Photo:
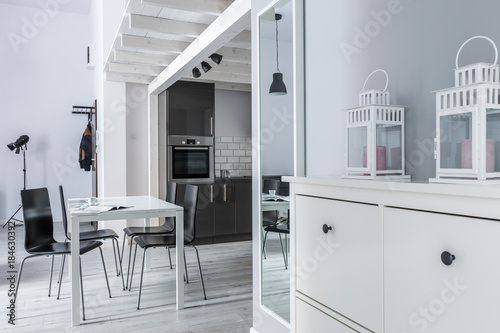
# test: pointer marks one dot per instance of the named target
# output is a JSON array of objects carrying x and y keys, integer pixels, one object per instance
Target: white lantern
[
  {"x": 375, "y": 137},
  {"x": 467, "y": 139}
]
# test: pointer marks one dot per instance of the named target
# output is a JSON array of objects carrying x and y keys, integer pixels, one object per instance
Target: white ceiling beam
[
  {"x": 211, "y": 7},
  {"x": 166, "y": 26},
  {"x": 233, "y": 86},
  {"x": 233, "y": 54},
  {"x": 243, "y": 37},
  {"x": 142, "y": 58},
  {"x": 227, "y": 77},
  {"x": 229, "y": 24},
  {"x": 231, "y": 67},
  {"x": 120, "y": 77},
  {"x": 134, "y": 69},
  {"x": 152, "y": 44}
]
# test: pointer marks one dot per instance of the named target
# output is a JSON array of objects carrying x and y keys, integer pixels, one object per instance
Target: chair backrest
[
  {"x": 38, "y": 222},
  {"x": 190, "y": 202},
  {"x": 63, "y": 210},
  {"x": 172, "y": 198},
  {"x": 270, "y": 184}
]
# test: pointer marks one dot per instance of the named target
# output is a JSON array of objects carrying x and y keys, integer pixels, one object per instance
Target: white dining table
[
  {"x": 277, "y": 202},
  {"x": 139, "y": 207}
]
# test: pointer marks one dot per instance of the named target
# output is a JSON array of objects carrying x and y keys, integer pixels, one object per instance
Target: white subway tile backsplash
[{"x": 235, "y": 154}]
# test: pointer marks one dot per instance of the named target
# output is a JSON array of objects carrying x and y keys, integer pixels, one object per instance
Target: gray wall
[{"x": 416, "y": 45}]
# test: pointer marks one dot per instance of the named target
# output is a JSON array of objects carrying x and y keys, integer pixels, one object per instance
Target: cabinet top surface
[{"x": 414, "y": 186}]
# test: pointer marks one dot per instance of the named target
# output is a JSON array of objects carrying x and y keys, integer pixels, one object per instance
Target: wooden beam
[
  {"x": 120, "y": 77},
  {"x": 211, "y": 7},
  {"x": 227, "y": 77},
  {"x": 142, "y": 58},
  {"x": 231, "y": 67},
  {"x": 165, "y": 46},
  {"x": 233, "y": 54},
  {"x": 166, "y": 26},
  {"x": 229, "y": 24},
  {"x": 134, "y": 69},
  {"x": 244, "y": 37}
]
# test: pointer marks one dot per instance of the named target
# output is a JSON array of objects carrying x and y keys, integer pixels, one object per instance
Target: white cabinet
[
  {"x": 422, "y": 294},
  {"x": 314, "y": 320},
  {"x": 338, "y": 267}
]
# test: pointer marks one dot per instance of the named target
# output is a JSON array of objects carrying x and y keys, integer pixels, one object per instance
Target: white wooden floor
[{"x": 227, "y": 270}]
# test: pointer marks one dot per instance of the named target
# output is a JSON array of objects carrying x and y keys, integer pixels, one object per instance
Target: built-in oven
[{"x": 190, "y": 159}]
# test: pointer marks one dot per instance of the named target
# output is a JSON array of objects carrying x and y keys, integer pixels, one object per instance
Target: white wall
[
  {"x": 43, "y": 75},
  {"x": 416, "y": 45}
]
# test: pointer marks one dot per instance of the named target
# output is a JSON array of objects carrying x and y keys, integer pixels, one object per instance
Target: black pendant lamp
[{"x": 278, "y": 86}]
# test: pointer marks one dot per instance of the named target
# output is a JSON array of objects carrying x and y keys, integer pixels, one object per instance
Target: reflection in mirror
[{"x": 277, "y": 152}]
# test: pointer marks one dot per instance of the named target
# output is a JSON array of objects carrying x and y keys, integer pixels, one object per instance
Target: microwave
[{"x": 190, "y": 159}]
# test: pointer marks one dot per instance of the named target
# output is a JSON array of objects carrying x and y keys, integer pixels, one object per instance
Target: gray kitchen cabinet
[
  {"x": 224, "y": 208},
  {"x": 243, "y": 207}
]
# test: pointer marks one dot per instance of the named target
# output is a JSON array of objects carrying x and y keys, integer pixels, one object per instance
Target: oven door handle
[{"x": 192, "y": 148}]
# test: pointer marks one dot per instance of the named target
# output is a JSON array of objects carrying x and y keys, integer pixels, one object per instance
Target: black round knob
[
  {"x": 326, "y": 228},
  {"x": 447, "y": 258}
]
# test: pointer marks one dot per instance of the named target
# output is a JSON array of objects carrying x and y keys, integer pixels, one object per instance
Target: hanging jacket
[{"x": 85, "y": 151}]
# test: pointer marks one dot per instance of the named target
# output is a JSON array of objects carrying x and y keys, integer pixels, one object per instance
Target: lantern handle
[
  {"x": 375, "y": 71},
  {"x": 477, "y": 37}
]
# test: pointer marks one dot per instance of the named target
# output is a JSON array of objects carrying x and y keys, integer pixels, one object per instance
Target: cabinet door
[
  {"x": 422, "y": 294},
  {"x": 190, "y": 108},
  {"x": 224, "y": 209},
  {"x": 243, "y": 207},
  {"x": 310, "y": 319},
  {"x": 339, "y": 269}
]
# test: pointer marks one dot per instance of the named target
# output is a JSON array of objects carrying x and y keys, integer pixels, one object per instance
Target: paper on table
[{"x": 99, "y": 209}]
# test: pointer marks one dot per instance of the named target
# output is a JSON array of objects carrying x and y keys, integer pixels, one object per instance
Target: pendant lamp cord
[{"x": 277, "y": 49}]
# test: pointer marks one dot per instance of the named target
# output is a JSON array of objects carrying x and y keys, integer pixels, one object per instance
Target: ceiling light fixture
[
  {"x": 196, "y": 72},
  {"x": 277, "y": 86},
  {"x": 205, "y": 66},
  {"x": 217, "y": 58}
]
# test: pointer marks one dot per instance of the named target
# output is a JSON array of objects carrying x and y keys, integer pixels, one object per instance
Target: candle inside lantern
[
  {"x": 381, "y": 156},
  {"x": 467, "y": 154}
]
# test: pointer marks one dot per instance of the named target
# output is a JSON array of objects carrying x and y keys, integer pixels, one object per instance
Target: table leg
[
  {"x": 75, "y": 270},
  {"x": 179, "y": 256}
]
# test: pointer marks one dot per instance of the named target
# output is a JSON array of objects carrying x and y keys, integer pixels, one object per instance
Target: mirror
[{"x": 276, "y": 152}]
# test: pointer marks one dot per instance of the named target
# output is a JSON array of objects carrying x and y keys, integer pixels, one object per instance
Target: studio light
[
  {"x": 196, "y": 72},
  {"x": 21, "y": 141},
  {"x": 277, "y": 86},
  {"x": 217, "y": 58},
  {"x": 205, "y": 66}
]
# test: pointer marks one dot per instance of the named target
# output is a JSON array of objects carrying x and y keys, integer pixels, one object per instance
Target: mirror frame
[{"x": 298, "y": 89}]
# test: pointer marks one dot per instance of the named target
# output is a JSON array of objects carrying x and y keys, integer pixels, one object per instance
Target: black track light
[
  {"x": 196, "y": 72},
  {"x": 217, "y": 58},
  {"x": 205, "y": 66}
]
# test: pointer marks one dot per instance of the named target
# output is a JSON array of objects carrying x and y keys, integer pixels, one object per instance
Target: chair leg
[
  {"x": 129, "y": 257},
  {"x": 61, "y": 271},
  {"x": 114, "y": 253},
  {"x": 19, "y": 277},
  {"x": 50, "y": 275},
  {"x": 123, "y": 246},
  {"x": 105, "y": 274},
  {"x": 120, "y": 272},
  {"x": 286, "y": 251},
  {"x": 185, "y": 268},
  {"x": 169, "y": 257},
  {"x": 132, "y": 273},
  {"x": 282, "y": 250},
  {"x": 81, "y": 288},
  {"x": 60, "y": 266},
  {"x": 201, "y": 274},
  {"x": 142, "y": 274},
  {"x": 264, "y": 245}
]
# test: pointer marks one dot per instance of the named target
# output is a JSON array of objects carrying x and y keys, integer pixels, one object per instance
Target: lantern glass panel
[
  {"x": 493, "y": 140},
  {"x": 456, "y": 141},
  {"x": 358, "y": 141},
  {"x": 389, "y": 147}
]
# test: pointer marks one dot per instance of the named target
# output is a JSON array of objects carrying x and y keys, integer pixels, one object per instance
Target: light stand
[{"x": 20, "y": 144}]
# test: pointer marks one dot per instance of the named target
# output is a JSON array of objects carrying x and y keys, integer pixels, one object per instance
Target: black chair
[
  {"x": 39, "y": 235},
  {"x": 146, "y": 242},
  {"x": 269, "y": 218},
  {"x": 100, "y": 234},
  {"x": 281, "y": 227},
  {"x": 167, "y": 227}
]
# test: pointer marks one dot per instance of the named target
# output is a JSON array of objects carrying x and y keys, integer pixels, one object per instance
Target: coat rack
[{"x": 88, "y": 110}]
